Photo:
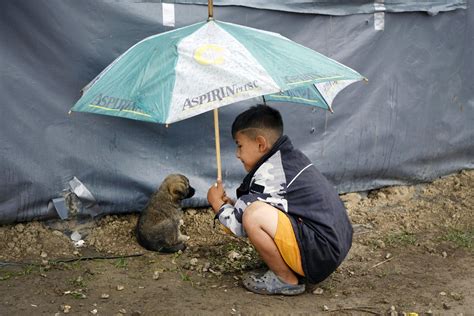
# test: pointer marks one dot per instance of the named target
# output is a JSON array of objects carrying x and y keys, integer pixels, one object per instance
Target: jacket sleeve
[
  {"x": 231, "y": 216},
  {"x": 268, "y": 185}
]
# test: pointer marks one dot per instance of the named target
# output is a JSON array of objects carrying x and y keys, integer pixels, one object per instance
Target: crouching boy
[{"x": 287, "y": 208}]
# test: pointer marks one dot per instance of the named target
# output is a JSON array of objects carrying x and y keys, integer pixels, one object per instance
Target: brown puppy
[{"x": 158, "y": 225}]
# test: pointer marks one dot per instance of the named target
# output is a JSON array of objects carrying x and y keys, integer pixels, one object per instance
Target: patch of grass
[
  {"x": 76, "y": 265},
  {"x": 185, "y": 276},
  {"x": 460, "y": 238},
  {"x": 78, "y": 282},
  {"x": 5, "y": 276},
  {"x": 232, "y": 246},
  {"x": 386, "y": 272},
  {"x": 27, "y": 270},
  {"x": 400, "y": 239},
  {"x": 121, "y": 263},
  {"x": 78, "y": 295}
]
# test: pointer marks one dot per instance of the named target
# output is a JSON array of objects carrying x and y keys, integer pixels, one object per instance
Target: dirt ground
[{"x": 413, "y": 252}]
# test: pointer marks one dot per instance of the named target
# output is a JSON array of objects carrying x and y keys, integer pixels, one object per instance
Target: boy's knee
[
  {"x": 252, "y": 216},
  {"x": 260, "y": 214}
]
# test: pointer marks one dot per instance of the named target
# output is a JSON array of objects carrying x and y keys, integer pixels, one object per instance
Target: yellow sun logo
[{"x": 209, "y": 54}]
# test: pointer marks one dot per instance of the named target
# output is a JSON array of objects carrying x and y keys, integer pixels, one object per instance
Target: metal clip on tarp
[{"x": 85, "y": 196}]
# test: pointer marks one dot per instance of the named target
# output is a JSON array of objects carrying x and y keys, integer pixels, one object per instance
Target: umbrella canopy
[{"x": 178, "y": 74}]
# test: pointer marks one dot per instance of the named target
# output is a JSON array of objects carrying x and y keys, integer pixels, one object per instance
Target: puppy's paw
[{"x": 183, "y": 238}]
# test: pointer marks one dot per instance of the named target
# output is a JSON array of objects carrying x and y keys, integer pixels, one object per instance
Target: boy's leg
[{"x": 260, "y": 221}]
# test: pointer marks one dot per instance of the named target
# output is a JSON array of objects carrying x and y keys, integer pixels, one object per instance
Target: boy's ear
[{"x": 262, "y": 143}]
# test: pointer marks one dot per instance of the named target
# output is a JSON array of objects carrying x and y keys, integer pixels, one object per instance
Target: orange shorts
[{"x": 285, "y": 240}]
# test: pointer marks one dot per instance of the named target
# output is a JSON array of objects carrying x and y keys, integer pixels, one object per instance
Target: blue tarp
[{"x": 412, "y": 122}]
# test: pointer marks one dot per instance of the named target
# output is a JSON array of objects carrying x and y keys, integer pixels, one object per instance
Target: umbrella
[{"x": 181, "y": 73}]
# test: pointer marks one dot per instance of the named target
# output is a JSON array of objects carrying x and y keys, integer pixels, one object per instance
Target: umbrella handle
[
  {"x": 218, "y": 144},
  {"x": 209, "y": 9}
]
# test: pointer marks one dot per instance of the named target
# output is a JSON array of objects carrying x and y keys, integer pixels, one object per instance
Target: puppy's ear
[{"x": 178, "y": 190}]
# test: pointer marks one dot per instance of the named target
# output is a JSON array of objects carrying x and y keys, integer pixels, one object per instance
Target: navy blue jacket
[{"x": 286, "y": 179}]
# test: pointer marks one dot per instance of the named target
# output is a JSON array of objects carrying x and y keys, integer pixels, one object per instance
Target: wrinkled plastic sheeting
[
  {"x": 78, "y": 201},
  {"x": 59, "y": 205},
  {"x": 85, "y": 196},
  {"x": 341, "y": 7}
]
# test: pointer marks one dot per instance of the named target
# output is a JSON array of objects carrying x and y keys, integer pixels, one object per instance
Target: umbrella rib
[
  {"x": 293, "y": 98},
  {"x": 117, "y": 110},
  {"x": 326, "y": 78}
]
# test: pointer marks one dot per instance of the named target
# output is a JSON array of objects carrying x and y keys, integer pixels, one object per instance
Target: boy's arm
[
  {"x": 231, "y": 215},
  {"x": 222, "y": 206},
  {"x": 216, "y": 196}
]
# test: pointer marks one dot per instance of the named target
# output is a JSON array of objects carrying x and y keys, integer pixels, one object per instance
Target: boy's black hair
[{"x": 259, "y": 116}]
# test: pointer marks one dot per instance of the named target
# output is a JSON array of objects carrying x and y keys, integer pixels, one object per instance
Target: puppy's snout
[{"x": 191, "y": 192}]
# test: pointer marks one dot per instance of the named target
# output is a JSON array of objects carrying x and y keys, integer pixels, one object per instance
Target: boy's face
[{"x": 249, "y": 150}]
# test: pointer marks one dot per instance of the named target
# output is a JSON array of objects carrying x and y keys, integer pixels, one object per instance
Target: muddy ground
[{"x": 413, "y": 252}]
